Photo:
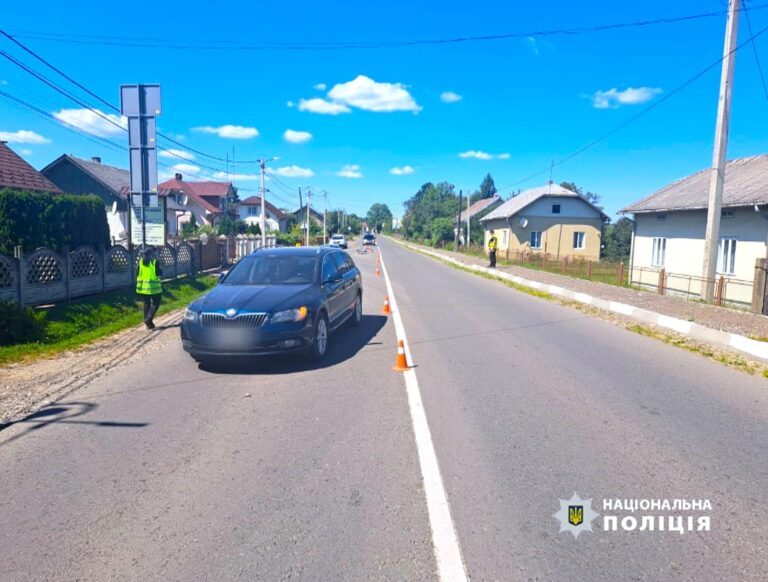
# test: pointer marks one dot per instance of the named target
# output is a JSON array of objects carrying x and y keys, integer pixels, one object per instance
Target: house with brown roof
[
  {"x": 208, "y": 201},
  {"x": 549, "y": 219},
  {"x": 17, "y": 174},
  {"x": 249, "y": 211},
  {"x": 670, "y": 227}
]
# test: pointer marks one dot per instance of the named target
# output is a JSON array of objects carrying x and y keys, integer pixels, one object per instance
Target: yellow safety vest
[
  {"x": 492, "y": 243},
  {"x": 148, "y": 283}
]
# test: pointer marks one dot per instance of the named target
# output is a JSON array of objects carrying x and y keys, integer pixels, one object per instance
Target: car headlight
[
  {"x": 190, "y": 315},
  {"x": 289, "y": 315}
]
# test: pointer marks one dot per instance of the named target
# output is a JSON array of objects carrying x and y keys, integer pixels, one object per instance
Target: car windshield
[
  {"x": 264, "y": 269},
  {"x": 337, "y": 237},
  {"x": 368, "y": 236}
]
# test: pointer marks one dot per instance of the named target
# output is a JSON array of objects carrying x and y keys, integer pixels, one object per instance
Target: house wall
[
  {"x": 273, "y": 222},
  {"x": 556, "y": 235},
  {"x": 685, "y": 233}
]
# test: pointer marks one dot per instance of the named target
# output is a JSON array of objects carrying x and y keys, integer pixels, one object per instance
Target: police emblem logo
[{"x": 575, "y": 514}]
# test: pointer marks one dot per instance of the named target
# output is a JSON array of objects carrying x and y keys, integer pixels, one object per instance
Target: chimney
[
  {"x": 96, "y": 159},
  {"x": 178, "y": 176}
]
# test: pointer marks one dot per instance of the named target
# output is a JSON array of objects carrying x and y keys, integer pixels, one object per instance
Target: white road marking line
[{"x": 445, "y": 542}]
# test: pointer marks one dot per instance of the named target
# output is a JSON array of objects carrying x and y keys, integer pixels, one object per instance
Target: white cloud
[
  {"x": 290, "y": 104},
  {"x": 450, "y": 97},
  {"x": 533, "y": 44},
  {"x": 365, "y": 93},
  {"x": 230, "y": 131},
  {"x": 402, "y": 171},
  {"x": 23, "y": 136},
  {"x": 239, "y": 177},
  {"x": 350, "y": 171},
  {"x": 321, "y": 86},
  {"x": 176, "y": 154},
  {"x": 294, "y": 172},
  {"x": 613, "y": 98},
  {"x": 95, "y": 122},
  {"x": 476, "y": 154},
  {"x": 318, "y": 105},
  {"x": 26, "y": 152},
  {"x": 297, "y": 136},
  {"x": 481, "y": 155},
  {"x": 187, "y": 169}
]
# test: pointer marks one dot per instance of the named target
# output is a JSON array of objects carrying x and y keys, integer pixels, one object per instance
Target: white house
[
  {"x": 250, "y": 213},
  {"x": 670, "y": 228}
]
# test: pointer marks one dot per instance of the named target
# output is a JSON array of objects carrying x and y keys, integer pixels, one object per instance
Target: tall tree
[
  {"x": 487, "y": 189},
  {"x": 617, "y": 240},
  {"x": 379, "y": 217},
  {"x": 591, "y": 197}
]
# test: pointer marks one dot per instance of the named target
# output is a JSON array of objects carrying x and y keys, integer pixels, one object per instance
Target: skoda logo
[{"x": 231, "y": 312}]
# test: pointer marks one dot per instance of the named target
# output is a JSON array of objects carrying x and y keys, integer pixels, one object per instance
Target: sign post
[{"x": 141, "y": 104}]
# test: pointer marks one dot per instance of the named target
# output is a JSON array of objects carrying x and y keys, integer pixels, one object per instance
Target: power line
[
  {"x": 637, "y": 116},
  {"x": 102, "y": 100},
  {"x": 227, "y": 44},
  {"x": 754, "y": 48}
]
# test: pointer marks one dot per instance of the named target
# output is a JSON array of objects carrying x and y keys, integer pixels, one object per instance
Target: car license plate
[{"x": 230, "y": 338}]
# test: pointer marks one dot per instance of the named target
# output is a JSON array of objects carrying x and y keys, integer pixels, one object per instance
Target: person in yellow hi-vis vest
[
  {"x": 148, "y": 285},
  {"x": 493, "y": 244}
]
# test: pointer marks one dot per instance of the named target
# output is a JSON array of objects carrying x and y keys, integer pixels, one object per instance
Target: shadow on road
[
  {"x": 63, "y": 413},
  {"x": 343, "y": 344}
]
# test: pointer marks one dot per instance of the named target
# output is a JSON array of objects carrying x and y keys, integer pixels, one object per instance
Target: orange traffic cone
[
  {"x": 378, "y": 271},
  {"x": 401, "y": 364},
  {"x": 385, "y": 310}
]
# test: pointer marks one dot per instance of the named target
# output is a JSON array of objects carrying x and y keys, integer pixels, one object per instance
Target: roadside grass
[
  {"x": 722, "y": 356},
  {"x": 77, "y": 323}
]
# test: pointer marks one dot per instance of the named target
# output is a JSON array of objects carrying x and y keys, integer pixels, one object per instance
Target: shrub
[
  {"x": 19, "y": 325},
  {"x": 35, "y": 219}
]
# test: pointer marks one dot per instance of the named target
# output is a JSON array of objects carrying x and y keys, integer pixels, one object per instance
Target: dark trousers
[
  {"x": 151, "y": 303},
  {"x": 492, "y": 255}
]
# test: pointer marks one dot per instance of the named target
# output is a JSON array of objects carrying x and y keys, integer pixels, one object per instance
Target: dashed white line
[{"x": 445, "y": 542}]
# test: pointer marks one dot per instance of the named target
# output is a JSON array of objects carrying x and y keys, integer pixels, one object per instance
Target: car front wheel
[
  {"x": 319, "y": 339},
  {"x": 357, "y": 316}
]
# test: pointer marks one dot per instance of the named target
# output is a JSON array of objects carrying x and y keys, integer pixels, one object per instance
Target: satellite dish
[
  {"x": 114, "y": 207},
  {"x": 523, "y": 222},
  {"x": 185, "y": 200}
]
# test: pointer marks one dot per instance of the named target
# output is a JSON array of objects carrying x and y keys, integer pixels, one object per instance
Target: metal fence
[
  {"x": 47, "y": 276},
  {"x": 728, "y": 291}
]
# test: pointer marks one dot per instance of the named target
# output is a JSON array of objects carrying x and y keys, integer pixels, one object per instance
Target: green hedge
[{"x": 35, "y": 220}]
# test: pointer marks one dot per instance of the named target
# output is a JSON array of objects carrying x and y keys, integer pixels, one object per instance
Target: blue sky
[{"x": 523, "y": 101}]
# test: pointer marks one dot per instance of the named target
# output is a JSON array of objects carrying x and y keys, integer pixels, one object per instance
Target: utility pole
[
  {"x": 468, "y": 197},
  {"x": 263, "y": 225},
  {"x": 325, "y": 214},
  {"x": 717, "y": 178},
  {"x": 458, "y": 225},
  {"x": 309, "y": 195}
]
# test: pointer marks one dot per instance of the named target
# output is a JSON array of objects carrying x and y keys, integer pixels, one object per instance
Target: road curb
[{"x": 723, "y": 339}]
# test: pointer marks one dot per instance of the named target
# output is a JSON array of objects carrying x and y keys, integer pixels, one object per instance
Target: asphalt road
[{"x": 281, "y": 470}]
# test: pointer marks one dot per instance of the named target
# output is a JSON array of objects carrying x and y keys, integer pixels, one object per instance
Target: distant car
[
  {"x": 369, "y": 239},
  {"x": 338, "y": 240},
  {"x": 275, "y": 301}
]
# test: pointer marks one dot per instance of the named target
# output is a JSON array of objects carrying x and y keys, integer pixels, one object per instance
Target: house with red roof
[
  {"x": 208, "y": 201},
  {"x": 249, "y": 211},
  {"x": 17, "y": 174}
]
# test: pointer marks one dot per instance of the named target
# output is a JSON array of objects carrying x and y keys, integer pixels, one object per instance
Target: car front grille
[{"x": 241, "y": 321}]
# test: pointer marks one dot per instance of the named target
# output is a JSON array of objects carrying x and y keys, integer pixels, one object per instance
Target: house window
[
  {"x": 661, "y": 217},
  {"x": 578, "y": 240},
  {"x": 555, "y": 209},
  {"x": 728, "y": 214},
  {"x": 659, "y": 253},
  {"x": 726, "y": 256},
  {"x": 504, "y": 237},
  {"x": 253, "y": 211},
  {"x": 536, "y": 239}
]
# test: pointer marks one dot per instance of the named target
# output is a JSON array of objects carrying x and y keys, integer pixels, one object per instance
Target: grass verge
[
  {"x": 722, "y": 356},
  {"x": 71, "y": 325}
]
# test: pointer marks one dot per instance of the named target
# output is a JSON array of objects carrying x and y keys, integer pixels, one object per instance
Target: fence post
[
  {"x": 67, "y": 271},
  {"x": 662, "y": 274},
  {"x": 103, "y": 267},
  {"x": 175, "y": 261},
  {"x": 620, "y": 274},
  {"x": 19, "y": 252},
  {"x": 565, "y": 265},
  {"x": 589, "y": 269},
  {"x": 507, "y": 254},
  {"x": 719, "y": 292},
  {"x": 758, "y": 289}
]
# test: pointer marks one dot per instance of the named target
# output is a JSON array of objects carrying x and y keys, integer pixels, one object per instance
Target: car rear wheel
[{"x": 319, "y": 339}]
